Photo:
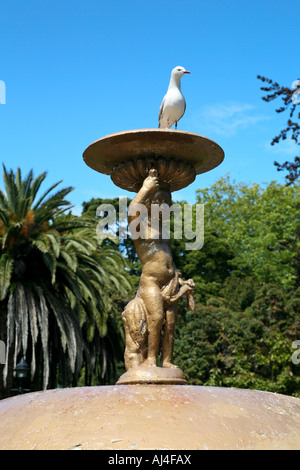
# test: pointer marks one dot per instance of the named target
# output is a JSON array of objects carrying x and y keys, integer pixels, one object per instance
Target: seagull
[{"x": 173, "y": 105}]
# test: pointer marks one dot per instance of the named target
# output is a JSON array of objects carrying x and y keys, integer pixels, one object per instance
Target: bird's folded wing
[{"x": 161, "y": 109}]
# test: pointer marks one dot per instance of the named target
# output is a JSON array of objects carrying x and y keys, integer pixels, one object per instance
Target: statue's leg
[
  {"x": 153, "y": 301},
  {"x": 168, "y": 336},
  {"x": 135, "y": 324}
]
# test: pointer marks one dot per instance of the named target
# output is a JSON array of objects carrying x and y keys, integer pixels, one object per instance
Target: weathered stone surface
[{"x": 150, "y": 417}]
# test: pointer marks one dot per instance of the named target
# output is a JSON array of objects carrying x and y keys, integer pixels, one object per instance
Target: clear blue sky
[{"x": 77, "y": 70}]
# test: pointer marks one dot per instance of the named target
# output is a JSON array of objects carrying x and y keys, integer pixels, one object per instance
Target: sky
[{"x": 75, "y": 71}]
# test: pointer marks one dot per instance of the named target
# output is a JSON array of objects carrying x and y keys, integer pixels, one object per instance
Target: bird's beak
[{"x": 186, "y": 71}]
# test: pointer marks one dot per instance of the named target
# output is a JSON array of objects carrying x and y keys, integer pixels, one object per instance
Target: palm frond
[
  {"x": 6, "y": 270},
  {"x": 53, "y": 206},
  {"x": 70, "y": 332},
  {"x": 11, "y": 189},
  {"x": 33, "y": 318},
  {"x": 55, "y": 241},
  {"x": 22, "y": 313},
  {"x": 42, "y": 315},
  {"x": 41, "y": 242},
  {"x": 35, "y": 186},
  {"x": 3, "y": 201},
  {"x": 45, "y": 194},
  {"x": 50, "y": 262},
  {"x": 70, "y": 258}
]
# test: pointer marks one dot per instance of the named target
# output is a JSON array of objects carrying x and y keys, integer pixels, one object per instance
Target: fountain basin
[{"x": 140, "y": 417}]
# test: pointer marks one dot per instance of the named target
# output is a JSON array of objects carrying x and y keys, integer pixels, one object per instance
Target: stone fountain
[
  {"x": 151, "y": 406},
  {"x": 153, "y": 163}
]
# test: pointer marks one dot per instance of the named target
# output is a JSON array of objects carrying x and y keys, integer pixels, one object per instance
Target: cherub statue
[{"x": 149, "y": 319}]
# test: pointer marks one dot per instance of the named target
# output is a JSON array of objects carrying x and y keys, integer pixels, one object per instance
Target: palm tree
[{"x": 54, "y": 281}]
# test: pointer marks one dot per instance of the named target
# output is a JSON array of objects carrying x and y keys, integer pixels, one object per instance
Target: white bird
[{"x": 173, "y": 105}]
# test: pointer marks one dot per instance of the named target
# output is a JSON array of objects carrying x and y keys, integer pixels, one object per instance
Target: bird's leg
[
  {"x": 176, "y": 125},
  {"x": 168, "y": 124}
]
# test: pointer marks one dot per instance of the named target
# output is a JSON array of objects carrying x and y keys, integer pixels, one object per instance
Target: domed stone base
[{"x": 139, "y": 417}]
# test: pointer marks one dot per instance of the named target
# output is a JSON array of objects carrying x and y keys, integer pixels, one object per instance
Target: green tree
[
  {"x": 208, "y": 267},
  {"x": 255, "y": 221},
  {"x": 55, "y": 282},
  {"x": 218, "y": 346}
]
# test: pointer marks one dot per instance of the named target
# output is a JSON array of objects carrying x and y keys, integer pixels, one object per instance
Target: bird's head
[{"x": 179, "y": 71}]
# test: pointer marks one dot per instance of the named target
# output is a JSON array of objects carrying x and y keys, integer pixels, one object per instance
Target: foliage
[
  {"x": 254, "y": 222},
  {"x": 274, "y": 91},
  {"x": 251, "y": 349},
  {"x": 208, "y": 267}
]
